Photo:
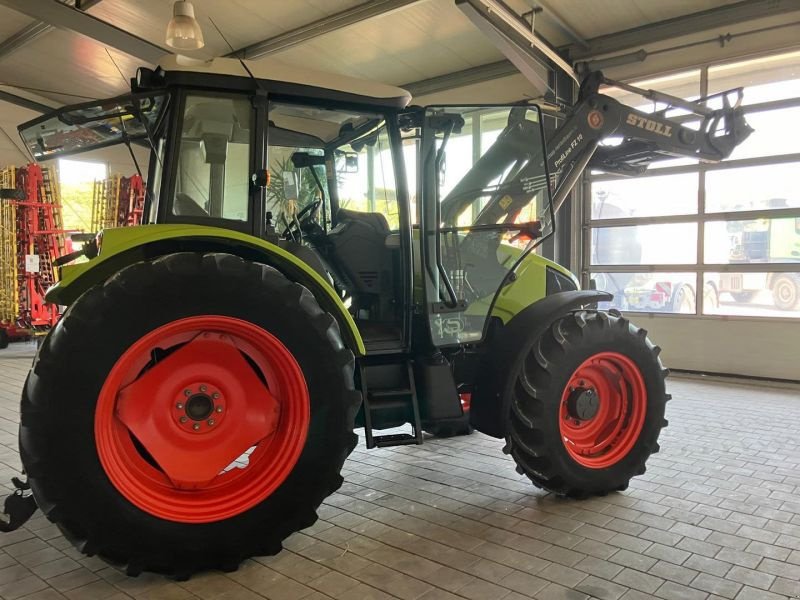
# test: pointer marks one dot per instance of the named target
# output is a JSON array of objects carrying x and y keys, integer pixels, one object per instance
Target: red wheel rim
[
  {"x": 208, "y": 430},
  {"x": 602, "y": 410}
]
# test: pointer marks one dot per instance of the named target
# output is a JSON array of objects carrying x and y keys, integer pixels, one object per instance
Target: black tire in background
[
  {"x": 3, "y": 338},
  {"x": 786, "y": 292},
  {"x": 541, "y": 373},
  {"x": 57, "y": 441}
]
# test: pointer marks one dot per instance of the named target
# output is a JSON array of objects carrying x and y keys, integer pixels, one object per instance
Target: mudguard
[
  {"x": 491, "y": 398},
  {"x": 123, "y": 246}
]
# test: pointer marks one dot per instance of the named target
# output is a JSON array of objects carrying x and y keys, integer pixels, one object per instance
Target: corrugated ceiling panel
[
  {"x": 11, "y": 22},
  {"x": 242, "y": 22},
  {"x": 62, "y": 63}
]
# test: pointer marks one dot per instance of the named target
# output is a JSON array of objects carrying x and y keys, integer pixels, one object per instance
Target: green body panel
[
  {"x": 529, "y": 286},
  {"x": 126, "y": 245}
]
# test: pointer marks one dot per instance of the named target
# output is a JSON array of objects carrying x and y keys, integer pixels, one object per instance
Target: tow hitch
[{"x": 18, "y": 507}]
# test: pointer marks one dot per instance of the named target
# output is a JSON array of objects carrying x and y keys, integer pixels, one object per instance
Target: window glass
[
  {"x": 753, "y": 188},
  {"x": 755, "y": 294},
  {"x": 365, "y": 176},
  {"x": 650, "y": 292},
  {"x": 504, "y": 187},
  {"x": 661, "y": 244},
  {"x": 764, "y": 79},
  {"x": 770, "y": 134},
  {"x": 645, "y": 196},
  {"x": 752, "y": 241},
  {"x": 214, "y": 158}
]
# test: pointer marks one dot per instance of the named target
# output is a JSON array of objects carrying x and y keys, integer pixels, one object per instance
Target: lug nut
[
  {"x": 219, "y": 409},
  {"x": 196, "y": 426},
  {"x": 179, "y": 405},
  {"x": 203, "y": 388},
  {"x": 187, "y": 392},
  {"x": 184, "y": 419},
  {"x": 215, "y": 395},
  {"x": 211, "y": 422}
]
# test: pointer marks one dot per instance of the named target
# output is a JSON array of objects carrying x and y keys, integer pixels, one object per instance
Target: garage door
[{"x": 709, "y": 255}]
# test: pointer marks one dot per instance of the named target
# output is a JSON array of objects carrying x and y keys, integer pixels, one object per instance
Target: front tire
[
  {"x": 129, "y": 349},
  {"x": 587, "y": 405}
]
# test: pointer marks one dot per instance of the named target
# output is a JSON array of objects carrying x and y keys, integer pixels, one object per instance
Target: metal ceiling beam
[
  {"x": 305, "y": 33},
  {"x": 463, "y": 78},
  {"x": 561, "y": 23},
  {"x": 24, "y": 102},
  {"x": 67, "y": 17},
  {"x": 33, "y": 31},
  {"x": 625, "y": 40},
  {"x": 714, "y": 18}
]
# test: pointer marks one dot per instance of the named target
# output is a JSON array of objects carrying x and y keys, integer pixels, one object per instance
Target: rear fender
[
  {"x": 491, "y": 400},
  {"x": 127, "y": 245}
]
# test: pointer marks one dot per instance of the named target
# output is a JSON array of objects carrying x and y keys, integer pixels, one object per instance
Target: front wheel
[
  {"x": 587, "y": 406},
  {"x": 189, "y": 413}
]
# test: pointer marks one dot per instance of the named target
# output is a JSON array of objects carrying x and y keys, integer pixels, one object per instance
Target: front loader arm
[{"x": 646, "y": 137}]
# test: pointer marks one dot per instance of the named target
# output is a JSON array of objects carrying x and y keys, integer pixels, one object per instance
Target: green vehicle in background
[
  {"x": 764, "y": 241},
  {"x": 198, "y": 398}
]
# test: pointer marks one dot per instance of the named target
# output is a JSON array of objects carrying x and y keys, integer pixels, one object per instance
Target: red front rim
[
  {"x": 202, "y": 419},
  {"x": 602, "y": 410}
]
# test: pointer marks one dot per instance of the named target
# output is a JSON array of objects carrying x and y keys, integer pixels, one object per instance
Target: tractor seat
[
  {"x": 375, "y": 220},
  {"x": 358, "y": 247}
]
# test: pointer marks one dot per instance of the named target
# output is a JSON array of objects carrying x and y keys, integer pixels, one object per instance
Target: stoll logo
[{"x": 649, "y": 125}]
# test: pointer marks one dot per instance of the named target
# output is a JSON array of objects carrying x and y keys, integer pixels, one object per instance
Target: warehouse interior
[{"x": 400, "y": 103}]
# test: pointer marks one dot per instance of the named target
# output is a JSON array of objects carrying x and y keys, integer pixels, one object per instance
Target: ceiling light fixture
[{"x": 183, "y": 31}]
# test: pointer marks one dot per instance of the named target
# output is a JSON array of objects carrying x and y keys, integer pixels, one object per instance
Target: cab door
[{"x": 486, "y": 206}]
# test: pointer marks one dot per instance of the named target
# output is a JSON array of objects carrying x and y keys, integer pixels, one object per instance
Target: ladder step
[
  {"x": 389, "y": 393},
  {"x": 376, "y": 404},
  {"x": 395, "y": 439}
]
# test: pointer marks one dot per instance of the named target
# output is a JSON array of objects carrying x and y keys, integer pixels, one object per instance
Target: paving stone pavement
[{"x": 716, "y": 516}]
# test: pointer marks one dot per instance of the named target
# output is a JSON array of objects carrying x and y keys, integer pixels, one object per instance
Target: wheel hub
[
  {"x": 603, "y": 409},
  {"x": 583, "y": 404},
  {"x": 199, "y": 408}
]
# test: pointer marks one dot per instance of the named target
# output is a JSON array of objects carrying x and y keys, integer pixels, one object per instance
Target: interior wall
[{"x": 741, "y": 346}]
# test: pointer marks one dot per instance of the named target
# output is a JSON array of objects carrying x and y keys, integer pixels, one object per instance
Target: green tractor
[{"x": 318, "y": 259}]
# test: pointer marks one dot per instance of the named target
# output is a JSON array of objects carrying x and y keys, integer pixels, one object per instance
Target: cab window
[{"x": 214, "y": 158}]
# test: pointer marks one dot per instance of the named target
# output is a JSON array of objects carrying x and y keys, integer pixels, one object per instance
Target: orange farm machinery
[{"x": 31, "y": 237}]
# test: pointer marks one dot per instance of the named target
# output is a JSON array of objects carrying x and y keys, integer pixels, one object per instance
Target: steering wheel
[{"x": 305, "y": 212}]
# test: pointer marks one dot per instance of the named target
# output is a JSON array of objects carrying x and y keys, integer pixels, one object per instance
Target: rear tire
[
  {"x": 3, "y": 339},
  {"x": 544, "y": 374},
  {"x": 61, "y": 453}
]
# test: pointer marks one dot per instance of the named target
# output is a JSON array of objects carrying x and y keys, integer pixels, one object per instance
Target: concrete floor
[{"x": 716, "y": 516}]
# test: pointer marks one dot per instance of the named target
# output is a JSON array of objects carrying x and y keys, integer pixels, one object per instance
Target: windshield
[{"x": 89, "y": 126}]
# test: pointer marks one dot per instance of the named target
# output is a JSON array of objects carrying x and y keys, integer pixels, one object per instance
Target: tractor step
[
  {"x": 398, "y": 395},
  {"x": 394, "y": 439}
]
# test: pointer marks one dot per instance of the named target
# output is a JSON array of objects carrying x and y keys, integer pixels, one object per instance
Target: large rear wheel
[
  {"x": 587, "y": 406},
  {"x": 191, "y": 412}
]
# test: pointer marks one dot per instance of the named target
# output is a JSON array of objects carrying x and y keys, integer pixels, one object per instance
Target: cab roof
[{"x": 275, "y": 72}]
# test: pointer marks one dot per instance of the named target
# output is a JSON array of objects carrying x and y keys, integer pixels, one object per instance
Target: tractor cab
[{"x": 398, "y": 209}]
